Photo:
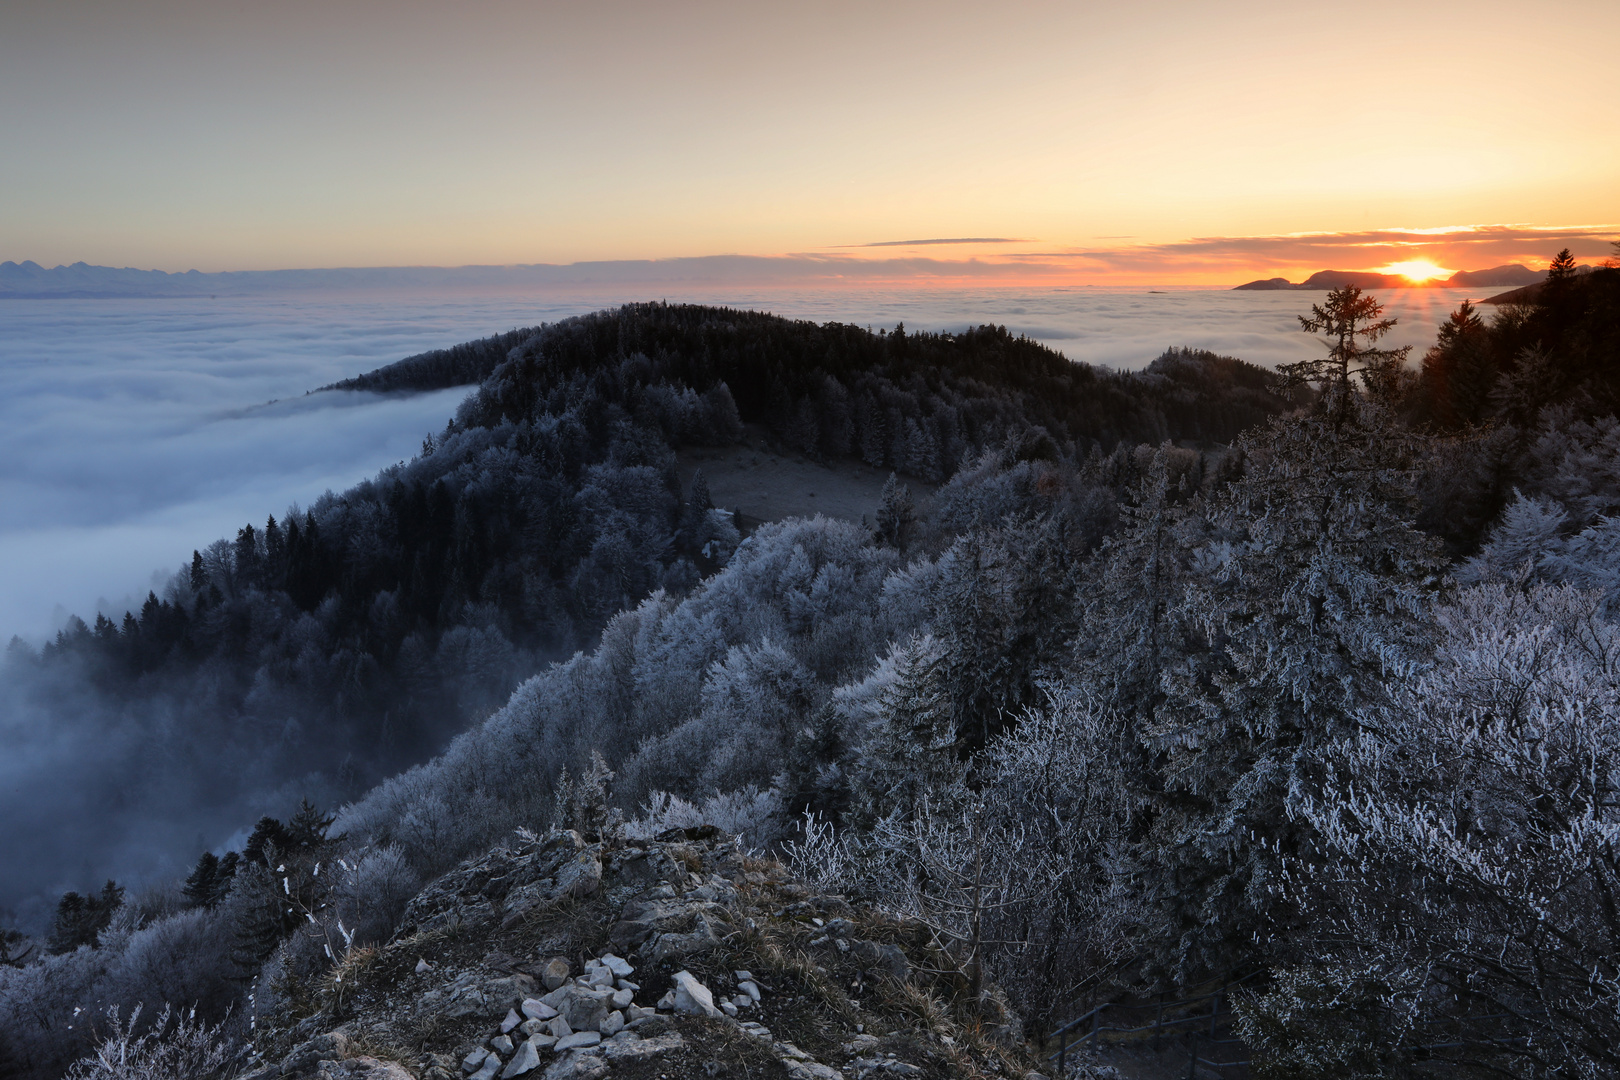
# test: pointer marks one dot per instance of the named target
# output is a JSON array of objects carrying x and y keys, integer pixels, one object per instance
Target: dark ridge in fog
[{"x": 314, "y": 654}]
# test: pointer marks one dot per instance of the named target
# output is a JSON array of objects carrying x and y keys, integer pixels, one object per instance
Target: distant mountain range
[
  {"x": 30, "y": 280},
  {"x": 1511, "y": 275}
]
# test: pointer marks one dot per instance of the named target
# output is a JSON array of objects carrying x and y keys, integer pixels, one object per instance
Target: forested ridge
[
  {"x": 1301, "y": 678},
  {"x": 335, "y": 644}
]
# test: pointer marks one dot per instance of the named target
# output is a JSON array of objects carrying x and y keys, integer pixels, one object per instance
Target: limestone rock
[
  {"x": 880, "y": 957},
  {"x": 692, "y": 997},
  {"x": 527, "y": 1059},
  {"x": 583, "y": 1007},
  {"x": 556, "y": 973},
  {"x": 333, "y": 1046},
  {"x": 360, "y": 1068},
  {"x": 626, "y": 1046},
  {"x": 535, "y": 1009},
  {"x": 578, "y": 1040},
  {"x": 577, "y": 1066}
]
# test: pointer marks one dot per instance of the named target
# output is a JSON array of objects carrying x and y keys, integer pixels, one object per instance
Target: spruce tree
[
  {"x": 1350, "y": 325},
  {"x": 1305, "y": 598},
  {"x": 203, "y": 881}
]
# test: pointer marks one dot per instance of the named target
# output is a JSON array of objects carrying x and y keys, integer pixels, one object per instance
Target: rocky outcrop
[{"x": 557, "y": 959}]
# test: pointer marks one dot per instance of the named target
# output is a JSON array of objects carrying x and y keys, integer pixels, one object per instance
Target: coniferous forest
[{"x": 1303, "y": 682}]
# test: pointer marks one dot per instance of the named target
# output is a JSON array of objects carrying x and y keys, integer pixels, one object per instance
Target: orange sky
[{"x": 1163, "y": 141}]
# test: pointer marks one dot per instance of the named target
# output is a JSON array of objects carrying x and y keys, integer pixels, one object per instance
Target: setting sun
[{"x": 1416, "y": 270}]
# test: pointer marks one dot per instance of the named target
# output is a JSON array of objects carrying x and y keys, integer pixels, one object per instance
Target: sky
[{"x": 1162, "y": 141}]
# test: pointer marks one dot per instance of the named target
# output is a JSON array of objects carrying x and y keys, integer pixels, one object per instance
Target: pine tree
[
  {"x": 912, "y": 755},
  {"x": 269, "y": 837},
  {"x": 897, "y": 514},
  {"x": 260, "y": 915},
  {"x": 203, "y": 881},
  {"x": 1306, "y": 598},
  {"x": 1459, "y": 371},
  {"x": 15, "y": 949},
  {"x": 1350, "y": 325},
  {"x": 81, "y": 919},
  {"x": 307, "y": 831}
]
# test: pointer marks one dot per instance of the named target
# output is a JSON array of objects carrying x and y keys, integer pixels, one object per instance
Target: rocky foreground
[{"x": 556, "y": 959}]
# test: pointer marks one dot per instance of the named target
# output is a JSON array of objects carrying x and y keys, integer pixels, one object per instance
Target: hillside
[
  {"x": 675, "y": 956},
  {"x": 320, "y": 650}
]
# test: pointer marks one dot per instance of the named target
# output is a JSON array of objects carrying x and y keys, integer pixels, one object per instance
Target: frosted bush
[{"x": 174, "y": 1048}]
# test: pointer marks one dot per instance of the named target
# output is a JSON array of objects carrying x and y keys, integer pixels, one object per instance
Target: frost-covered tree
[
  {"x": 1306, "y": 598},
  {"x": 1462, "y": 901}
]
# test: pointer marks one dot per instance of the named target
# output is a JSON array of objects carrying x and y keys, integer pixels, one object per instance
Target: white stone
[
  {"x": 512, "y": 1020},
  {"x": 667, "y": 1002},
  {"x": 559, "y": 1027},
  {"x": 622, "y": 998},
  {"x": 527, "y": 1059},
  {"x": 692, "y": 997},
  {"x": 728, "y": 1007},
  {"x": 626, "y": 1046},
  {"x": 536, "y": 1009},
  {"x": 580, "y": 1065},
  {"x": 422, "y": 967},
  {"x": 487, "y": 1071},
  {"x": 626, "y": 984},
  {"x": 472, "y": 1061},
  {"x": 543, "y": 1041},
  {"x": 811, "y": 1070},
  {"x": 749, "y": 987},
  {"x": 743, "y": 1001},
  {"x": 742, "y": 976},
  {"x": 501, "y": 1044},
  {"x": 577, "y": 1040},
  {"x": 617, "y": 964},
  {"x": 613, "y": 1024}
]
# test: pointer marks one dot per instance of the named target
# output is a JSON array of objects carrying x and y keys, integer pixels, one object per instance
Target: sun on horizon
[{"x": 1417, "y": 271}]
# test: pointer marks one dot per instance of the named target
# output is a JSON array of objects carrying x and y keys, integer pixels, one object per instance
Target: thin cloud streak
[{"x": 957, "y": 240}]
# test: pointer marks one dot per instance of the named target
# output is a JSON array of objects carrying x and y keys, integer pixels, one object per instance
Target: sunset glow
[
  {"x": 1416, "y": 270},
  {"x": 174, "y": 135}
]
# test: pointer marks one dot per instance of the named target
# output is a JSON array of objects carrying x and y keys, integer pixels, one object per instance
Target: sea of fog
[{"x": 132, "y": 431}]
